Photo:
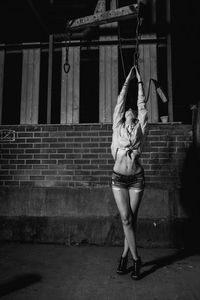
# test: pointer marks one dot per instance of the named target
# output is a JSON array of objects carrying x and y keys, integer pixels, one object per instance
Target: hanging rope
[
  {"x": 137, "y": 37},
  {"x": 158, "y": 88},
  {"x": 66, "y": 65}
]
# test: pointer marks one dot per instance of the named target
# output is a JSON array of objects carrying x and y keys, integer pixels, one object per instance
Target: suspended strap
[{"x": 158, "y": 88}]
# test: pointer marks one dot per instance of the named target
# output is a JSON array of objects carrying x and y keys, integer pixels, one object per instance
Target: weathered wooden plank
[
  {"x": 108, "y": 87},
  {"x": 108, "y": 75},
  {"x": 148, "y": 68},
  {"x": 76, "y": 84},
  {"x": 64, "y": 81},
  {"x": 122, "y": 13},
  {"x": 169, "y": 64},
  {"x": 30, "y": 86},
  {"x": 2, "y": 60},
  {"x": 108, "y": 99},
  {"x": 49, "y": 88},
  {"x": 70, "y": 87},
  {"x": 114, "y": 79},
  {"x": 36, "y": 84},
  {"x": 102, "y": 80},
  {"x": 153, "y": 62},
  {"x": 102, "y": 73},
  {"x": 24, "y": 87},
  {"x": 70, "y": 90}
]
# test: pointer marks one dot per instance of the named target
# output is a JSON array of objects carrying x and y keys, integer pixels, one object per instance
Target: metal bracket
[{"x": 7, "y": 135}]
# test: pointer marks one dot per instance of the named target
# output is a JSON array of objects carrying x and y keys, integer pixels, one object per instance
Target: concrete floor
[{"x": 56, "y": 272}]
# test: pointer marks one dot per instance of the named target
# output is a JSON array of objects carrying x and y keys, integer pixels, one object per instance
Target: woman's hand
[
  {"x": 131, "y": 74},
  {"x": 137, "y": 74}
]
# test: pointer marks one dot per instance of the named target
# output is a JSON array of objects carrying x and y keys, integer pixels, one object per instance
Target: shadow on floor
[
  {"x": 18, "y": 282},
  {"x": 164, "y": 261}
]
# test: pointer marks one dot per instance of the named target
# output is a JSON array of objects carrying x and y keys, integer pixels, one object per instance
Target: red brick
[
  {"x": 24, "y": 166},
  {"x": 49, "y": 172},
  {"x": 41, "y": 134},
  {"x": 42, "y": 145},
  {"x": 8, "y": 167},
  {"x": 90, "y": 145},
  {"x": 35, "y": 140},
  {"x": 8, "y": 156},
  {"x": 25, "y": 145},
  {"x": 42, "y": 167},
  {"x": 92, "y": 156},
  {"x": 83, "y": 151},
  {"x": 36, "y": 178},
  {"x": 25, "y": 134},
  {"x": 17, "y": 162},
  {"x": 41, "y": 156},
  {"x": 82, "y": 161},
  {"x": 20, "y": 178},
  {"x": 65, "y": 161},
  {"x": 57, "y": 156},
  {"x": 32, "y": 161},
  {"x": 25, "y": 156},
  {"x": 49, "y": 161},
  {"x": 12, "y": 183}
]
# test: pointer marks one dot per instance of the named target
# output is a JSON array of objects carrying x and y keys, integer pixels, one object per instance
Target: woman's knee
[{"x": 126, "y": 220}]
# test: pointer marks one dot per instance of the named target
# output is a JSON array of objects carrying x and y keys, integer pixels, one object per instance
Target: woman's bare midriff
[{"x": 125, "y": 165}]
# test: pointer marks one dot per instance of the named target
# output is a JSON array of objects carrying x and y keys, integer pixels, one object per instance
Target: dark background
[{"x": 34, "y": 20}]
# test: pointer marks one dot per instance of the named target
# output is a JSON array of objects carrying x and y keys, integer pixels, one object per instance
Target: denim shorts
[{"x": 135, "y": 181}]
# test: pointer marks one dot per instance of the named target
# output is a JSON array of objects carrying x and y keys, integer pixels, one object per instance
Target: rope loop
[{"x": 66, "y": 65}]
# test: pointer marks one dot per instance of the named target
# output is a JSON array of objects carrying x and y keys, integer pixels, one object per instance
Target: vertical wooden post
[
  {"x": 2, "y": 59},
  {"x": 108, "y": 75},
  {"x": 148, "y": 69},
  {"x": 70, "y": 87},
  {"x": 49, "y": 88},
  {"x": 169, "y": 63},
  {"x": 30, "y": 86}
]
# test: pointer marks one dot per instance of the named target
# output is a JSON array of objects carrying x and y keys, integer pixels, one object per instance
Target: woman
[{"x": 129, "y": 129}]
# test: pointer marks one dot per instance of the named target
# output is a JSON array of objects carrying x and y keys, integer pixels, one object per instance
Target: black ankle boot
[
  {"x": 135, "y": 274},
  {"x": 122, "y": 265}
]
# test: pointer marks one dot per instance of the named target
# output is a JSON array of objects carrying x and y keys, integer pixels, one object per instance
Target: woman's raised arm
[
  {"x": 141, "y": 103},
  {"x": 121, "y": 100}
]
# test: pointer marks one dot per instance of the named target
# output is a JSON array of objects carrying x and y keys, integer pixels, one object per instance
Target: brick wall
[
  {"x": 79, "y": 155},
  {"x": 54, "y": 186}
]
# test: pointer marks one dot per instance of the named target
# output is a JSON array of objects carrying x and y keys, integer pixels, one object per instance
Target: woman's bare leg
[
  {"x": 126, "y": 248},
  {"x": 122, "y": 198},
  {"x": 135, "y": 199}
]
